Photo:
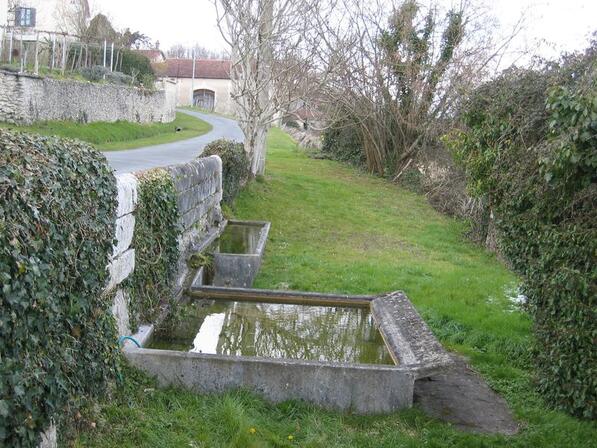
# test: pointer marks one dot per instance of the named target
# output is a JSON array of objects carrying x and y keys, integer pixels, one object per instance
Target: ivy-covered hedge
[
  {"x": 342, "y": 142},
  {"x": 530, "y": 148},
  {"x": 57, "y": 334},
  {"x": 156, "y": 245},
  {"x": 236, "y": 166}
]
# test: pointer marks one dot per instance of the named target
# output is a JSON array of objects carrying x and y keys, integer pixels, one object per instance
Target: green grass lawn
[
  {"x": 337, "y": 230},
  {"x": 121, "y": 134}
]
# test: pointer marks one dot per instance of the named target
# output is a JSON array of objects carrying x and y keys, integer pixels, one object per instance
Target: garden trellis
[{"x": 38, "y": 52}]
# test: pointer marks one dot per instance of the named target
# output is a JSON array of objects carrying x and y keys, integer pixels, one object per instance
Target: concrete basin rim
[{"x": 168, "y": 354}]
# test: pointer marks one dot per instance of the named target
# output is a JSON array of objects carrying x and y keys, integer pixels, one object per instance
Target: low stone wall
[
  {"x": 123, "y": 255},
  {"x": 199, "y": 193},
  {"x": 25, "y": 99},
  {"x": 199, "y": 189}
]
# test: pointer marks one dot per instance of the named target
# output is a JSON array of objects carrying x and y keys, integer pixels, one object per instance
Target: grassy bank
[
  {"x": 121, "y": 134},
  {"x": 337, "y": 230}
]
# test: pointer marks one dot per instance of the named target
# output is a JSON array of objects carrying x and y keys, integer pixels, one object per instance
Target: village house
[
  {"x": 204, "y": 83},
  {"x": 33, "y": 16}
]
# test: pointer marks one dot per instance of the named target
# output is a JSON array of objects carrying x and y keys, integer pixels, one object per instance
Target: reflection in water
[
  {"x": 306, "y": 332},
  {"x": 207, "y": 339},
  {"x": 239, "y": 239}
]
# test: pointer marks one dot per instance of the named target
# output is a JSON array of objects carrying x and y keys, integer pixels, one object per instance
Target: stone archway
[{"x": 204, "y": 98}]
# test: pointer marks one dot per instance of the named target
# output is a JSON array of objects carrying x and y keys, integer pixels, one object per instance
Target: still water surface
[
  {"x": 239, "y": 239},
  {"x": 320, "y": 333}
]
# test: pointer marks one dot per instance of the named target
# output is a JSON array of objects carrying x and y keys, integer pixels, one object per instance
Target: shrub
[
  {"x": 156, "y": 245},
  {"x": 235, "y": 166},
  {"x": 57, "y": 334},
  {"x": 99, "y": 73},
  {"x": 120, "y": 79},
  {"x": 529, "y": 148},
  {"x": 137, "y": 66},
  {"x": 95, "y": 73},
  {"x": 342, "y": 142}
]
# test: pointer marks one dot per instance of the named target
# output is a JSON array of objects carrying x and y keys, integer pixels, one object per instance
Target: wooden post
[
  {"x": 112, "y": 58},
  {"x": 10, "y": 48},
  {"x": 63, "y": 54},
  {"x": 21, "y": 54},
  {"x": 53, "y": 60},
  {"x": 276, "y": 296},
  {"x": 36, "y": 64},
  {"x": 105, "y": 51},
  {"x": 193, "y": 81},
  {"x": 2, "y": 37}
]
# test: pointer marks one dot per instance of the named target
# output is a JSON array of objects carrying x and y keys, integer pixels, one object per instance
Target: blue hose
[{"x": 121, "y": 340}]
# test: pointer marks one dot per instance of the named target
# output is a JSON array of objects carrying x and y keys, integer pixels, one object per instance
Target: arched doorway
[{"x": 204, "y": 98}]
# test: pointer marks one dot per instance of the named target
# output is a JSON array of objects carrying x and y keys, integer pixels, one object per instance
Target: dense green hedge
[
  {"x": 57, "y": 334},
  {"x": 138, "y": 66},
  {"x": 342, "y": 142},
  {"x": 530, "y": 148},
  {"x": 236, "y": 166},
  {"x": 156, "y": 245}
]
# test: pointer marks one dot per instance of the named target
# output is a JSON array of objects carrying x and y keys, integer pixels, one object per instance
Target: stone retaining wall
[
  {"x": 199, "y": 190},
  {"x": 25, "y": 99}
]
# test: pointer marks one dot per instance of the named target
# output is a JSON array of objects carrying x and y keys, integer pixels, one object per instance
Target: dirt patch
[{"x": 461, "y": 397}]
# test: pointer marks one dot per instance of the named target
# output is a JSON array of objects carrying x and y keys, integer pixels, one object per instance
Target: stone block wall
[
  {"x": 25, "y": 99},
  {"x": 122, "y": 262},
  {"x": 199, "y": 193},
  {"x": 199, "y": 189}
]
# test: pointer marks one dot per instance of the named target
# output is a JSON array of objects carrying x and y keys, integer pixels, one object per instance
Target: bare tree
[
  {"x": 400, "y": 69},
  {"x": 198, "y": 51},
  {"x": 271, "y": 41},
  {"x": 73, "y": 16}
]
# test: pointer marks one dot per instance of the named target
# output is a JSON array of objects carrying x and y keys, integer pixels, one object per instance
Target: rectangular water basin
[
  {"x": 275, "y": 330},
  {"x": 238, "y": 252},
  {"x": 321, "y": 348}
]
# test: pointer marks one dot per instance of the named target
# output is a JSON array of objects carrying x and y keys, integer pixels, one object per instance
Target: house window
[{"x": 25, "y": 17}]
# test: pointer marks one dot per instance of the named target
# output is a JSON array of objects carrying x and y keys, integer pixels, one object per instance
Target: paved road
[{"x": 177, "y": 152}]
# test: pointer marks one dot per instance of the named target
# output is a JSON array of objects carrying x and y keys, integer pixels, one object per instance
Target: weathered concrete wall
[
  {"x": 25, "y": 99},
  {"x": 408, "y": 338},
  {"x": 239, "y": 270},
  {"x": 361, "y": 389}
]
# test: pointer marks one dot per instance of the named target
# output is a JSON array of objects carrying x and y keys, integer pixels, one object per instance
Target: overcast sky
[{"x": 551, "y": 26}]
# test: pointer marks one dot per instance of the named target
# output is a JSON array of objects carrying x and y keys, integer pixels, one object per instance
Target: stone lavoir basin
[
  {"x": 237, "y": 252},
  {"x": 359, "y": 354},
  {"x": 275, "y": 330}
]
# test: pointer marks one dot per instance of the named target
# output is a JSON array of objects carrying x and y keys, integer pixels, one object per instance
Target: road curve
[{"x": 177, "y": 152}]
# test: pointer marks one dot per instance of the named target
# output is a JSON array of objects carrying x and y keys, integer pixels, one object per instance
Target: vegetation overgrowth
[
  {"x": 236, "y": 167},
  {"x": 121, "y": 135},
  {"x": 57, "y": 338},
  {"x": 156, "y": 246},
  {"x": 335, "y": 229},
  {"x": 529, "y": 146}
]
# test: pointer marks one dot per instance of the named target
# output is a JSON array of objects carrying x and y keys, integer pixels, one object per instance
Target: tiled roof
[{"x": 183, "y": 68}]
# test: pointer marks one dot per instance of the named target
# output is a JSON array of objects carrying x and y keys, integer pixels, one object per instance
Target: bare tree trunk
[
  {"x": 264, "y": 36},
  {"x": 259, "y": 151},
  {"x": 264, "y": 97}
]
